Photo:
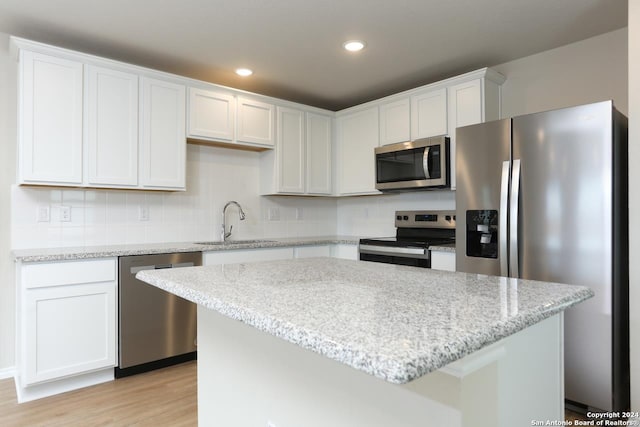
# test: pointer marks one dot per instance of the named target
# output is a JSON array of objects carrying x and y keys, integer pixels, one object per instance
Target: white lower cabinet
[
  {"x": 312, "y": 251},
  {"x": 443, "y": 261},
  {"x": 246, "y": 255},
  {"x": 345, "y": 251},
  {"x": 67, "y": 324}
]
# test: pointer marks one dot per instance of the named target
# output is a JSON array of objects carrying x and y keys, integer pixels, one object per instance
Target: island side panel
[{"x": 248, "y": 377}]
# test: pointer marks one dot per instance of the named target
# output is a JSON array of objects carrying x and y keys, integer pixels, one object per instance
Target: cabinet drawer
[{"x": 68, "y": 273}]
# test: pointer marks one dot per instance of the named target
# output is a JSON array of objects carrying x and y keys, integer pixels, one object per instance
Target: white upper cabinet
[
  {"x": 319, "y": 158},
  {"x": 50, "y": 129},
  {"x": 300, "y": 162},
  {"x": 357, "y": 138},
  {"x": 255, "y": 122},
  {"x": 163, "y": 135},
  {"x": 290, "y": 150},
  {"x": 465, "y": 104},
  {"x": 435, "y": 109},
  {"x": 112, "y": 127},
  {"x": 429, "y": 113},
  {"x": 211, "y": 115},
  {"x": 471, "y": 102},
  {"x": 91, "y": 122},
  {"x": 395, "y": 122}
]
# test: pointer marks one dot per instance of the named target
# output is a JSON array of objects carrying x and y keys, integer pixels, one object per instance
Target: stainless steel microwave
[{"x": 422, "y": 164}]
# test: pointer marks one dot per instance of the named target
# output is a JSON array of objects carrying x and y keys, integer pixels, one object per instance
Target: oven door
[
  {"x": 413, "y": 256},
  {"x": 419, "y": 164}
]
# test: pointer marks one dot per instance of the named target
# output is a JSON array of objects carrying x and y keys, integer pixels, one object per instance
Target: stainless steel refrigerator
[{"x": 545, "y": 196}]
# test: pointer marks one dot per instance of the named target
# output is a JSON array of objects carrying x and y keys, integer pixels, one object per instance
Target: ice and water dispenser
[{"x": 482, "y": 233}]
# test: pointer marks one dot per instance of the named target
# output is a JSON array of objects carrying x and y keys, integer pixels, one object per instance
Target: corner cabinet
[
  {"x": 66, "y": 325},
  {"x": 91, "y": 122},
  {"x": 301, "y": 160},
  {"x": 357, "y": 136}
]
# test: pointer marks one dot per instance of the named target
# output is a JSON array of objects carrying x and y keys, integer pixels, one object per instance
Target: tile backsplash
[{"x": 215, "y": 176}]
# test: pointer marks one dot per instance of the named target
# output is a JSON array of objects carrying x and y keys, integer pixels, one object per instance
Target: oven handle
[{"x": 392, "y": 251}]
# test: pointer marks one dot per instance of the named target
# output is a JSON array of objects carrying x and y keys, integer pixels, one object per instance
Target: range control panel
[{"x": 426, "y": 219}]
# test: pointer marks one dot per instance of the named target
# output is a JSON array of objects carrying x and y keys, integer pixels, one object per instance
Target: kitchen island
[{"x": 322, "y": 341}]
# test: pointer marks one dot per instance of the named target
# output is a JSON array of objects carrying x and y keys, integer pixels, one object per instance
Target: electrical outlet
[
  {"x": 143, "y": 213},
  {"x": 299, "y": 214},
  {"x": 65, "y": 213},
  {"x": 274, "y": 214},
  {"x": 44, "y": 214}
]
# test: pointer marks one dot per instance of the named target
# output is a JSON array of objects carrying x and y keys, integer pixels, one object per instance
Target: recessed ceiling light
[
  {"x": 244, "y": 72},
  {"x": 353, "y": 45}
]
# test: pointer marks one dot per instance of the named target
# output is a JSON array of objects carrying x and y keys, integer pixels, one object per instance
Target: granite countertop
[
  {"x": 446, "y": 247},
  {"x": 84, "y": 252},
  {"x": 394, "y": 322}
]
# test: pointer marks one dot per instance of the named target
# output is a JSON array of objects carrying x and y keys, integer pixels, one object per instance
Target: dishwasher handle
[{"x": 135, "y": 270}]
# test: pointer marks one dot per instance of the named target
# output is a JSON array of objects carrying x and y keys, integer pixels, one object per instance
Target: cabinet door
[
  {"x": 50, "y": 133},
  {"x": 112, "y": 127},
  {"x": 211, "y": 115},
  {"x": 163, "y": 140},
  {"x": 318, "y": 154},
  {"x": 290, "y": 150},
  {"x": 395, "y": 122},
  {"x": 69, "y": 330},
  {"x": 429, "y": 114},
  {"x": 465, "y": 108},
  {"x": 255, "y": 122},
  {"x": 357, "y": 138},
  {"x": 345, "y": 251},
  {"x": 312, "y": 251},
  {"x": 443, "y": 261},
  {"x": 465, "y": 101}
]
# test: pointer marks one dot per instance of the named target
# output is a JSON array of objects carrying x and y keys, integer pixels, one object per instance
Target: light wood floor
[{"x": 166, "y": 397}]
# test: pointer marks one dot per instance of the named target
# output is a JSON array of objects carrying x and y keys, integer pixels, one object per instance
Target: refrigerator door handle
[
  {"x": 514, "y": 264},
  {"x": 504, "y": 206},
  {"x": 425, "y": 162}
]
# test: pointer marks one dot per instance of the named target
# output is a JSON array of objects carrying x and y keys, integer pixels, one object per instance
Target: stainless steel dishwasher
[{"x": 155, "y": 328}]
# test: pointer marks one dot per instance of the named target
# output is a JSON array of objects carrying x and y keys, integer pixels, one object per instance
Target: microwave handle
[{"x": 425, "y": 162}]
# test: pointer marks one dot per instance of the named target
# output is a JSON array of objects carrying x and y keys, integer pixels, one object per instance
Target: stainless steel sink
[{"x": 234, "y": 242}]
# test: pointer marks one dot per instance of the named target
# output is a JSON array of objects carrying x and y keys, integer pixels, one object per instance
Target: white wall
[
  {"x": 591, "y": 70},
  {"x": 634, "y": 198},
  {"x": 8, "y": 112}
]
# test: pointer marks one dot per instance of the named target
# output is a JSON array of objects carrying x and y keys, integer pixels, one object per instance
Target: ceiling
[{"x": 295, "y": 46}]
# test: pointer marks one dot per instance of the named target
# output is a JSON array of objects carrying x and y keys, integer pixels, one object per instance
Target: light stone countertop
[
  {"x": 85, "y": 252},
  {"x": 448, "y": 247},
  {"x": 394, "y": 322}
]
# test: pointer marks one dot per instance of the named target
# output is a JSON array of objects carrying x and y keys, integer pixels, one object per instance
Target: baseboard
[
  {"x": 7, "y": 373},
  {"x": 38, "y": 391}
]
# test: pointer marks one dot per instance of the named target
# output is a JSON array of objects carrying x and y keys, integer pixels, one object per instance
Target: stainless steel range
[{"x": 416, "y": 231}]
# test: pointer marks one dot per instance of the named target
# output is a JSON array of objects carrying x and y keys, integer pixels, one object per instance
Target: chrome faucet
[{"x": 223, "y": 233}]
